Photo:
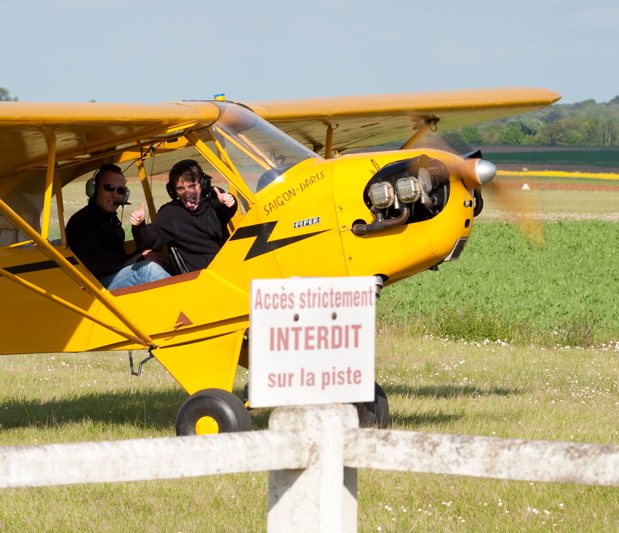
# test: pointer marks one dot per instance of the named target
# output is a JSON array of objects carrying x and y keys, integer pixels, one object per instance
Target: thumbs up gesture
[
  {"x": 224, "y": 197},
  {"x": 137, "y": 217}
]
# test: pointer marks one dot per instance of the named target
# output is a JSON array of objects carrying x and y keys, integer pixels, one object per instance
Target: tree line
[
  {"x": 5, "y": 96},
  {"x": 585, "y": 123}
]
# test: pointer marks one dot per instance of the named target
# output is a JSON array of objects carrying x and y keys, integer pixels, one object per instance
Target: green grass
[
  {"x": 55, "y": 398},
  {"x": 493, "y": 389},
  {"x": 504, "y": 287},
  {"x": 434, "y": 385}
]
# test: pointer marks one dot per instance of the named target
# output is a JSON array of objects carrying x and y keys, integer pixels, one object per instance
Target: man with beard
[{"x": 194, "y": 222}]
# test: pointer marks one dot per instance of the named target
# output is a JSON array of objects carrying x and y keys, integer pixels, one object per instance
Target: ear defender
[
  {"x": 91, "y": 187},
  {"x": 171, "y": 191},
  {"x": 205, "y": 185},
  {"x": 125, "y": 199}
]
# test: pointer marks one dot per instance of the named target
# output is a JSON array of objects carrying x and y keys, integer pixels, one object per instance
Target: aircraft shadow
[
  {"x": 158, "y": 409},
  {"x": 260, "y": 417},
  {"x": 149, "y": 409},
  {"x": 437, "y": 391},
  {"x": 422, "y": 419},
  {"x": 447, "y": 391}
]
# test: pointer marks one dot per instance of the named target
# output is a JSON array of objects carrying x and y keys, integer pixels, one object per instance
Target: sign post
[{"x": 312, "y": 341}]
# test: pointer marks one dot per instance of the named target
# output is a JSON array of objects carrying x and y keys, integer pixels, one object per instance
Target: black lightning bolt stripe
[
  {"x": 262, "y": 232},
  {"x": 36, "y": 267}
]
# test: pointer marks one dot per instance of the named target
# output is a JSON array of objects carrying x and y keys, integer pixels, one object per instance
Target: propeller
[
  {"x": 511, "y": 198},
  {"x": 517, "y": 202}
]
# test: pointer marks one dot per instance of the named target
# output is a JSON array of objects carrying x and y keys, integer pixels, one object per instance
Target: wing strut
[
  {"x": 49, "y": 180},
  {"x": 60, "y": 209},
  {"x": 428, "y": 124},
  {"x": 68, "y": 305},
  {"x": 148, "y": 195},
  {"x": 329, "y": 145},
  {"x": 140, "y": 336}
]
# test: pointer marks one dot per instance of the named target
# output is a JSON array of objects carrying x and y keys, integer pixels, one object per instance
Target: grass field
[
  {"x": 434, "y": 385},
  {"x": 504, "y": 287},
  {"x": 512, "y": 340}
]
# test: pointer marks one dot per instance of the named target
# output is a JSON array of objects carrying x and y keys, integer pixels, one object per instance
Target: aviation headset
[
  {"x": 186, "y": 165},
  {"x": 92, "y": 185}
]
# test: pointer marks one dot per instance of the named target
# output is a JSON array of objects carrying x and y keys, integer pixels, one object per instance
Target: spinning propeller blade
[{"x": 518, "y": 203}]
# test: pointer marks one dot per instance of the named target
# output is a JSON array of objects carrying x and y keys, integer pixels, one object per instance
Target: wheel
[
  {"x": 212, "y": 411},
  {"x": 374, "y": 413},
  {"x": 479, "y": 202}
]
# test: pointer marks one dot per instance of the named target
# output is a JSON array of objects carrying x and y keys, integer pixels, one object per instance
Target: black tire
[
  {"x": 374, "y": 413},
  {"x": 212, "y": 411},
  {"x": 479, "y": 202}
]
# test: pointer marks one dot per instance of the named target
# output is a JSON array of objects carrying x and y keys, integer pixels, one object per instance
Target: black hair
[
  {"x": 107, "y": 167},
  {"x": 190, "y": 170}
]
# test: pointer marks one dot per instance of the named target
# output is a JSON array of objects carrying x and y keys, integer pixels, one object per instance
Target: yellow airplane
[{"x": 304, "y": 210}]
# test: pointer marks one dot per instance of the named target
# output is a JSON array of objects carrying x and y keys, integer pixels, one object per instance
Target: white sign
[{"x": 311, "y": 341}]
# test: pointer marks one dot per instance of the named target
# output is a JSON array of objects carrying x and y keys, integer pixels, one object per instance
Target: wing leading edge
[
  {"x": 364, "y": 121},
  {"x": 84, "y": 130}
]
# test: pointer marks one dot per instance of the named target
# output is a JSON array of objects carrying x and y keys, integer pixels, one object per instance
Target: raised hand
[
  {"x": 137, "y": 217},
  {"x": 225, "y": 198}
]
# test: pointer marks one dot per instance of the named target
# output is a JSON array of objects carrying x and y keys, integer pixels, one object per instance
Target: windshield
[{"x": 258, "y": 151}]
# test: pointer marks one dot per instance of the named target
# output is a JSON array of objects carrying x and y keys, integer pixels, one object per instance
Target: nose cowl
[
  {"x": 476, "y": 172},
  {"x": 486, "y": 171}
]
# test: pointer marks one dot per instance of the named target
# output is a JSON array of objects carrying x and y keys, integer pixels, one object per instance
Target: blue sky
[{"x": 128, "y": 51}]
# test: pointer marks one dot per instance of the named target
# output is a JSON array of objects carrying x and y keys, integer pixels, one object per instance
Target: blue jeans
[{"x": 136, "y": 274}]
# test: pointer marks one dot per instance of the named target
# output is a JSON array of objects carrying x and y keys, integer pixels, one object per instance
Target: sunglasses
[{"x": 110, "y": 188}]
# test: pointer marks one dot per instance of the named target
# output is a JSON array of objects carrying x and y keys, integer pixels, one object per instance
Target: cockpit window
[
  {"x": 27, "y": 201},
  {"x": 258, "y": 151}
]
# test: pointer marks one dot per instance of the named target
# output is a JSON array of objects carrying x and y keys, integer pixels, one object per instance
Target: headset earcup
[
  {"x": 126, "y": 196},
  {"x": 91, "y": 188},
  {"x": 205, "y": 185},
  {"x": 171, "y": 191}
]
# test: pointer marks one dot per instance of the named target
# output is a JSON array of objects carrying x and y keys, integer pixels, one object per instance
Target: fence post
[{"x": 323, "y": 497}]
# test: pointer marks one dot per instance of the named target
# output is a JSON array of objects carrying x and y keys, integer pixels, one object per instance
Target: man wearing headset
[
  {"x": 96, "y": 236},
  {"x": 194, "y": 222}
]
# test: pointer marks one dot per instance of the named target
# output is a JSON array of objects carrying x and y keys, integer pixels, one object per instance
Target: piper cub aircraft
[{"x": 311, "y": 202}]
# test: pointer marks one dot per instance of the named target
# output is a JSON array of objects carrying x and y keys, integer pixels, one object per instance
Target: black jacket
[
  {"x": 97, "y": 239},
  {"x": 197, "y": 235}
]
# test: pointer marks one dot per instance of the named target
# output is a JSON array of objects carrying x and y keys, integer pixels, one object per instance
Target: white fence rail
[{"x": 312, "y": 455}]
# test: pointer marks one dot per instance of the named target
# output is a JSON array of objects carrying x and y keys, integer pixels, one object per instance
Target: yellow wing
[
  {"x": 364, "y": 121},
  {"x": 83, "y": 132}
]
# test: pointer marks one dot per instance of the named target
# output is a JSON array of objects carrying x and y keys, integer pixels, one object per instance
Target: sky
[{"x": 161, "y": 51}]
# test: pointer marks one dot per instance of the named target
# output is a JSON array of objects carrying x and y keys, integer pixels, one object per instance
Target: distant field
[
  {"x": 550, "y": 157},
  {"x": 550, "y": 199}
]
